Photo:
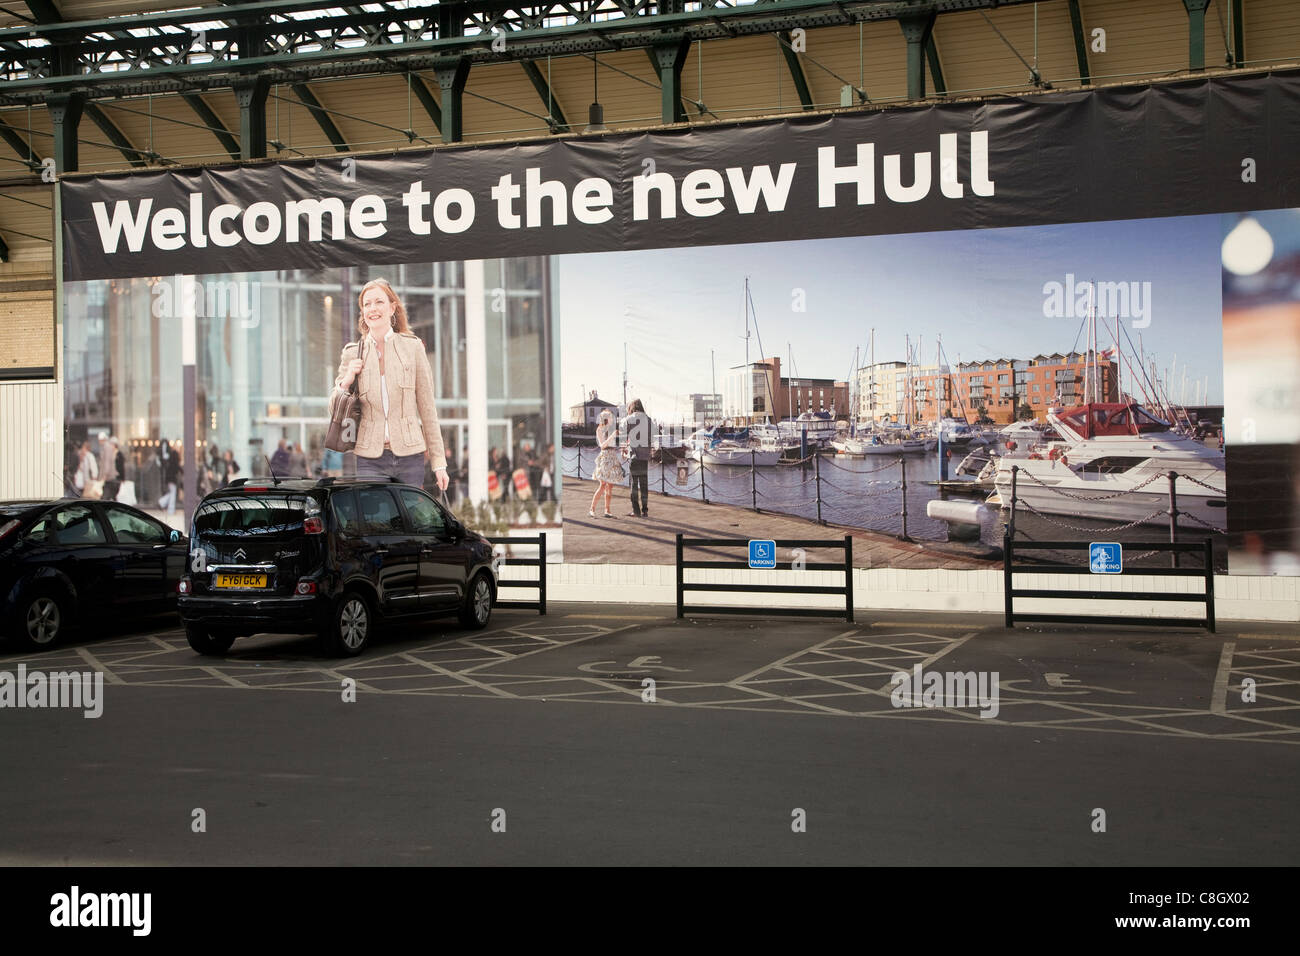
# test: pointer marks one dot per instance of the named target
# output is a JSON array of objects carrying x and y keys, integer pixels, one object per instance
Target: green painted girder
[
  {"x": 213, "y": 122},
  {"x": 136, "y": 157},
  {"x": 426, "y": 98},
  {"x": 1080, "y": 43},
  {"x": 1238, "y": 34},
  {"x": 555, "y": 115},
  {"x": 162, "y": 71},
  {"x": 23, "y": 148},
  {"x": 1196, "y": 33},
  {"x": 936, "y": 70},
  {"x": 321, "y": 115},
  {"x": 796, "y": 69}
]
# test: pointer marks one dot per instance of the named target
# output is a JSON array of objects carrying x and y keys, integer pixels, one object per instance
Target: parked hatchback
[
  {"x": 334, "y": 557},
  {"x": 70, "y": 560}
]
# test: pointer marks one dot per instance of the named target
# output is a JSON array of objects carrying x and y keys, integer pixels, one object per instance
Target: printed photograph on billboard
[
  {"x": 886, "y": 386},
  {"x": 269, "y": 350}
]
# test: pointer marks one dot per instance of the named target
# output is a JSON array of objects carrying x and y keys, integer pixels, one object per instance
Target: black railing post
[
  {"x": 753, "y": 485},
  {"x": 704, "y": 494},
  {"x": 541, "y": 573},
  {"x": 680, "y": 608},
  {"x": 1173, "y": 518},
  {"x": 817, "y": 466},
  {"x": 902, "y": 464},
  {"x": 663, "y": 483},
  {"x": 1007, "y": 547},
  {"x": 1209, "y": 584},
  {"x": 578, "y": 449},
  {"x": 1011, "y": 522},
  {"x": 848, "y": 578}
]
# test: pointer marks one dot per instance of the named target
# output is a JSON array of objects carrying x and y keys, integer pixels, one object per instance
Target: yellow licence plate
[{"x": 241, "y": 580}]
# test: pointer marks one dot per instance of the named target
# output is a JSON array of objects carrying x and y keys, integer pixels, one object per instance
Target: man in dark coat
[{"x": 638, "y": 448}]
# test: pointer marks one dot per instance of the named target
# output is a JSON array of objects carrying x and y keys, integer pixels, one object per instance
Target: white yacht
[
  {"x": 765, "y": 454},
  {"x": 1109, "y": 448}
]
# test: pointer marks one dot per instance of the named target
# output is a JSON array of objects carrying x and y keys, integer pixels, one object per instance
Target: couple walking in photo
[{"x": 609, "y": 463}]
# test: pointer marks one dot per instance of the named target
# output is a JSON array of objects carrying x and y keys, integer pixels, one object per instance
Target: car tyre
[
  {"x": 42, "y": 619},
  {"x": 351, "y": 626},
  {"x": 477, "y": 609},
  {"x": 206, "y": 642}
]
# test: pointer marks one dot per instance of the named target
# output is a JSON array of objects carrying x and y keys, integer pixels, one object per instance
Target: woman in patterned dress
[{"x": 609, "y": 469}]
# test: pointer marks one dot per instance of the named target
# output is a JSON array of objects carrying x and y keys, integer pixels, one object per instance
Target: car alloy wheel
[
  {"x": 482, "y": 600},
  {"x": 44, "y": 621},
  {"x": 477, "y": 605},
  {"x": 354, "y": 624}
]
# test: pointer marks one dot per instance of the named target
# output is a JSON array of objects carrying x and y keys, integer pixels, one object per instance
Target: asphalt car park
[{"x": 621, "y": 735}]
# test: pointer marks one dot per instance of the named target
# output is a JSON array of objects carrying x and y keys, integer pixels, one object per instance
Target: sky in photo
[{"x": 982, "y": 291}]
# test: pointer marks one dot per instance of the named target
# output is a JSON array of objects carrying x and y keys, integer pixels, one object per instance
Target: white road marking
[{"x": 1219, "y": 699}]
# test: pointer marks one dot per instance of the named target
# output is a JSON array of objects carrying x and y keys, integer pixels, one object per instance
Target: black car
[
  {"x": 71, "y": 559},
  {"x": 332, "y": 557}
]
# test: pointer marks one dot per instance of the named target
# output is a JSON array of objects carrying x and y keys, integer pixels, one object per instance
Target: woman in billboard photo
[
  {"x": 399, "y": 428},
  {"x": 609, "y": 469}
]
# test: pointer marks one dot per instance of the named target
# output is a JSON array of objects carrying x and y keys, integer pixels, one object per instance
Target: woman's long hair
[{"x": 400, "y": 324}]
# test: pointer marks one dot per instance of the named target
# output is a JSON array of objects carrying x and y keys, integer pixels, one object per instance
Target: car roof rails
[{"x": 334, "y": 479}]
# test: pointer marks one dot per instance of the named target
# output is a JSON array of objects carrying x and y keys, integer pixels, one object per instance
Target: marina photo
[{"x": 848, "y": 384}]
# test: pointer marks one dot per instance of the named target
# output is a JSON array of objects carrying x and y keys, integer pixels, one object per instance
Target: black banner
[{"x": 1194, "y": 146}]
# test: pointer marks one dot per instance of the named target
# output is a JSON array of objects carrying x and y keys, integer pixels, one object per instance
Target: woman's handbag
[{"x": 345, "y": 416}]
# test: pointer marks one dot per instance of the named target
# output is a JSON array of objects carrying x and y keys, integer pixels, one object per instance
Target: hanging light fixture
[{"x": 596, "y": 112}]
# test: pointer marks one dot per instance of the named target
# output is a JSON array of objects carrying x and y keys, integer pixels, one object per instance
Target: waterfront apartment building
[
  {"x": 701, "y": 408},
  {"x": 758, "y": 392},
  {"x": 995, "y": 388}
]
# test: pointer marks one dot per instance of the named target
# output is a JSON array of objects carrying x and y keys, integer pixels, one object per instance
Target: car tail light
[
  {"x": 7, "y": 528},
  {"x": 184, "y": 586},
  {"x": 305, "y": 586},
  {"x": 313, "y": 525}
]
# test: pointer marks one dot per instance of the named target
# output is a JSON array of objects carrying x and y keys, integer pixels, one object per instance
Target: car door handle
[
  {"x": 381, "y": 550},
  {"x": 426, "y": 550}
]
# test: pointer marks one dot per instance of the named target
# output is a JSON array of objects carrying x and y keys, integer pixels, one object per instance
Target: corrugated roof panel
[
  {"x": 1141, "y": 38},
  {"x": 27, "y": 229},
  {"x": 872, "y": 56},
  {"x": 975, "y": 58},
  {"x": 1272, "y": 30}
]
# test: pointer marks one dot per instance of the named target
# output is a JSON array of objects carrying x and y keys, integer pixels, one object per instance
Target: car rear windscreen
[{"x": 254, "y": 515}]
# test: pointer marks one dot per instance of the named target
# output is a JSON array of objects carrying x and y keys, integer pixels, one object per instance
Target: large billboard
[{"x": 762, "y": 328}]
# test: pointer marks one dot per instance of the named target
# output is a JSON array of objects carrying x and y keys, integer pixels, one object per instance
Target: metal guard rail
[
  {"x": 846, "y": 589},
  {"x": 1010, "y": 593},
  {"x": 538, "y": 562}
]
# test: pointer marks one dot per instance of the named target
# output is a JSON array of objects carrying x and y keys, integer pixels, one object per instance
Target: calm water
[
  {"x": 867, "y": 493},
  {"x": 857, "y": 492}
]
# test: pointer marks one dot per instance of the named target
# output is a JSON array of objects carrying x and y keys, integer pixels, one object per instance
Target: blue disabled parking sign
[
  {"x": 762, "y": 554},
  {"x": 1106, "y": 557}
]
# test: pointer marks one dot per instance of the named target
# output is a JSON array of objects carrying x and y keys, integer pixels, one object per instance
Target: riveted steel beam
[
  {"x": 1196, "y": 33},
  {"x": 452, "y": 77},
  {"x": 160, "y": 52},
  {"x": 917, "y": 30},
  {"x": 250, "y": 94},
  {"x": 670, "y": 55}
]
